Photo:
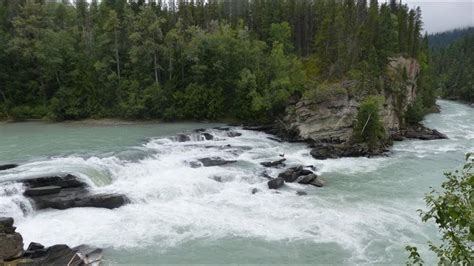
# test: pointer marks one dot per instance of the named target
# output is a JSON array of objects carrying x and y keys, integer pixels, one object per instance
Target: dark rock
[
  {"x": 11, "y": 246},
  {"x": 264, "y": 128},
  {"x": 182, "y": 138},
  {"x": 8, "y": 166},
  {"x": 273, "y": 163},
  {"x": 215, "y": 161},
  {"x": 6, "y": 222},
  {"x": 90, "y": 255},
  {"x": 39, "y": 191},
  {"x": 397, "y": 137},
  {"x": 292, "y": 174},
  {"x": 306, "y": 179},
  {"x": 423, "y": 133},
  {"x": 199, "y": 130},
  {"x": 78, "y": 197},
  {"x": 266, "y": 175},
  {"x": 325, "y": 151},
  {"x": 233, "y": 134},
  {"x": 276, "y": 183},
  {"x": 207, "y": 136},
  {"x": 301, "y": 193},
  {"x": 217, "y": 178},
  {"x": 222, "y": 128},
  {"x": 275, "y": 139},
  {"x": 255, "y": 190},
  {"x": 317, "y": 182},
  {"x": 34, "y": 246},
  {"x": 68, "y": 181},
  {"x": 8, "y": 230}
]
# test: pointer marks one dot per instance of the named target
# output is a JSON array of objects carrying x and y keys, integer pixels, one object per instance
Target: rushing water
[{"x": 179, "y": 214}]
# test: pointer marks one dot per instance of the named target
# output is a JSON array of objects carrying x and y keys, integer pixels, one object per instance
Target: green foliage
[
  {"x": 368, "y": 126},
  {"x": 149, "y": 60},
  {"x": 415, "y": 112},
  {"x": 452, "y": 210}
]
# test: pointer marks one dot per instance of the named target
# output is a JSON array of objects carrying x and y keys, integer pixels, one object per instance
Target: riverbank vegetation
[
  {"x": 452, "y": 210},
  {"x": 192, "y": 59}
]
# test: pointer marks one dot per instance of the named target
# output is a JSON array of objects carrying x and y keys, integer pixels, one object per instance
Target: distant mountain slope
[{"x": 443, "y": 39}]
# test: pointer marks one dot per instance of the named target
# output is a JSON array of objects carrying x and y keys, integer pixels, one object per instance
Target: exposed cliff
[
  {"x": 328, "y": 115},
  {"x": 325, "y": 115}
]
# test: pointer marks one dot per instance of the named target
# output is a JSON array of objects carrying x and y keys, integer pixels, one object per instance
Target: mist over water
[{"x": 180, "y": 214}]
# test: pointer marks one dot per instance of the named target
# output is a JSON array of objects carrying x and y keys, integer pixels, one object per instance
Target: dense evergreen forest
[
  {"x": 453, "y": 64},
  {"x": 193, "y": 59}
]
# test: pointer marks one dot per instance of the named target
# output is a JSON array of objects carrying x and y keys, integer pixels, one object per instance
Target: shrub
[{"x": 368, "y": 127}]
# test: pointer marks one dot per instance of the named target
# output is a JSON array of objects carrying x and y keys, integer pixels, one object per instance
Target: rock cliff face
[{"x": 330, "y": 120}]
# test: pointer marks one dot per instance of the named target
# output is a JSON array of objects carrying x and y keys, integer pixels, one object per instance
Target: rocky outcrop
[
  {"x": 325, "y": 117},
  {"x": 276, "y": 163},
  {"x": 11, "y": 242},
  {"x": 8, "y": 166},
  {"x": 210, "y": 161},
  {"x": 298, "y": 174},
  {"x": 63, "y": 192},
  {"x": 11, "y": 250}
]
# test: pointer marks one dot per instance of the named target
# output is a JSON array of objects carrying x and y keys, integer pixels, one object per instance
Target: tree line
[
  {"x": 190, "y": 59},
  {"x": 453, "y": 64}
]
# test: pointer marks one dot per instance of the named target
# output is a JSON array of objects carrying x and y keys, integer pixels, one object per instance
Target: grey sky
[{"x": 444, "y": 15}]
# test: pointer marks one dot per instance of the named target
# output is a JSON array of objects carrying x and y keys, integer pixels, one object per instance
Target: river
[{"x": 367, "y": 212}]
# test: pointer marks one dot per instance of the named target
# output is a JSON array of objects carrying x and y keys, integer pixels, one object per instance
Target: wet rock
[
  {"x": 182, "y": 138},
  {"x": 67, "y": 181},
  {"x": 8, "y": 166},
  {"x": 207, "y": 136},
  {"x": 264, "y": 128},
  {"x": 39, "y": 191},
  {"x": 397, "y": 136},
  {"x": 292, "y": 174},
  {"x": 78, "y": 197},
  {"x": 276, "y": 183},
  {"x": 233, "y": 134},
  {"x": 5, "y": 222},
  {"x": 301, "y": 193},
  {"x": 255, "y": 190},
  {"x": 11, "y": 243},
  {"x": 199, "y": 130},
  {"x": 266, "y": 175},
  {"x": 222, "y": 128},
  {"x": 306, "y": 179},
  {"x": 217, "y": 178},
  {"x": 317, "y": 182},
  {"x": 215, "y": 161},
  {"x": 273, "y": 163},
  {"x": 423, "y": 133},
  {"x": 275, "y": 139}
]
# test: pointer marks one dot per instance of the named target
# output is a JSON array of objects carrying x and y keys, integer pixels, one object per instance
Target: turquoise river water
[{"x": 178, "y": 214}]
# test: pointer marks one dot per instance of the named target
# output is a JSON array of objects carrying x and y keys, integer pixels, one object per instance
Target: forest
[
  {"x": 453, "y": 63},
  {"x": 193, "y": 59}
]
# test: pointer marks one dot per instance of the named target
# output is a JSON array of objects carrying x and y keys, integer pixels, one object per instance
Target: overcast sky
[{"x": 442, "y": 15}]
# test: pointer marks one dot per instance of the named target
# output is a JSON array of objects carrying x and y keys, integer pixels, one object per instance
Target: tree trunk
[
  {"x": 155, "y": 62},
  {"x": 117, "y": 58}
]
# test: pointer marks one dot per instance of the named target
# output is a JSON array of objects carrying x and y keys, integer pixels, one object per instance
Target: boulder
[
  {"x": 317, "y": 182},
  {"x": 78, "y": 197},
  {"x": 276, "y": 183},
  {"x": 233, "y": 134},
  {"x": 292, "y": 174},
  {"x": 213, "y": 161},
  {"x": 39, "y": 191},
  {"x": 273, "y": 163},
  {"x": 301, "y": 193},
  {"x": 67, "y": 181},
  {"x": 11, "y": 243},
  {"x": 8, "y": 166},
  {"x": 423, "y": 133},
  {"x": 306, "y": 179},
  {"x": 255, "y": 190},
  {"x": 207, "y": 136},
  {"x": 182, "y": 138}
]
